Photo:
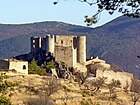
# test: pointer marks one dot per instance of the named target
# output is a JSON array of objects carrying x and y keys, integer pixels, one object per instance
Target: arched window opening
[
  {"x": 24, "y": 67},
  {"x": 61, "y": 41}
]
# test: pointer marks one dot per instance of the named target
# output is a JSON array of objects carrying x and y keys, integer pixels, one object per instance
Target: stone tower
[
  {"x": 81, "y": 49},
  {"x": 70, "y": 50},
  {"x": 66, "y": 50},
  {"x": 51, "y": 42},
  {"x": 35, "y": 43},
  {"x": 45, "y": 43},
  {"x": 48, "y": 43}
]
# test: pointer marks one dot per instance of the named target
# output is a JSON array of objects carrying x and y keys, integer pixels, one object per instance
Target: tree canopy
[{"x": 129, "y": 8}]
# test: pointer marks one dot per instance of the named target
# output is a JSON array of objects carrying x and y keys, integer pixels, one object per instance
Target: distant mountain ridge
[
  {"x": 116, "y": 42},
  {"x": 50, "y": 27}
]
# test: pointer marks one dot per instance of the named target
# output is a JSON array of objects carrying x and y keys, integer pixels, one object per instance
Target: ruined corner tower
[{"x": 45, "y": 43}]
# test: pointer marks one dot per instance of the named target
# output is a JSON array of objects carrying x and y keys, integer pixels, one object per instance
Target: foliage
[
  {"x": 4, "y": 100},
  {"x": 126, "y": 7},
  {"x": 41, "y": 70},
  {"x": 83, "y": 94},
  {"x": 3, "y": 76},
  {"x": 84, "y": 103},
  {"x": 126, "y": 87},
  {"x": 42, "y": 100},
  {"x": 35, "y": 69},
  {"x": 112, "y": 87},
  {"x": 52, "y": 85},
  {"x": 3, "y": 87},
  {"x": 99, "y": 82},
  {"x": 50, "y": 65},
  {"x": 5, "y": 84}
]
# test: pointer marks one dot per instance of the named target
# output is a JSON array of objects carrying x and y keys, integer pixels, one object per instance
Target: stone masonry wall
[
  {"x": 64, "y": 54},
  {"x": 66, "y": 50},
  {"x": 19, "y": 66}
]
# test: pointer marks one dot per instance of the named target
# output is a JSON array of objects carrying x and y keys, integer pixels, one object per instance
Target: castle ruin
[
  {"x": 71, "y": 50},
  {"x": 67, "y": 49}
]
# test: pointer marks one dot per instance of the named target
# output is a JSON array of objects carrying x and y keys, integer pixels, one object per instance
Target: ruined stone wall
[
  {"x": 19, "y": 66},
  {"x": 35, "y": 43},
  {"x": 64, "y": 54},
  {"x": 4, "y": 64},
  {"x": 45, "y": 43}
]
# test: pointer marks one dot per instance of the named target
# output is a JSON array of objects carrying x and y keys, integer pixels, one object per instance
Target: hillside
[
  {"x": 116, "y": 42},
  {"x": 45, "y": 90}
]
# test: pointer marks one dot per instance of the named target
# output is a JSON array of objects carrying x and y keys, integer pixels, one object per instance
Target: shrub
[
  {"x": 83, "y": 94},
  {"x": 3, "y": 87},
  {"x": 97, "y": 84},
  {"x": 5, "y": 84},
  {"x": 35, "y": 69},
  {"x": 112, "y": 87},
  {"x": 43, "y": 100},
  {"x": 3, "y": 76},
  {"x": 84, "y": 103},
  {"x": 50, "y": 65},
  {"x": 4, "y": 100},
  {"x": 52, "y": 85},
  {"x": 10, "y": 84}
]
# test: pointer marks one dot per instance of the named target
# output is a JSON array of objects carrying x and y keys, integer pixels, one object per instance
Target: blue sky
[{"x": 29, "y": 11}]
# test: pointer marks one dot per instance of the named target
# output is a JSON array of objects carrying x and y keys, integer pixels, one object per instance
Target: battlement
[{"x": 65, "y": 40}]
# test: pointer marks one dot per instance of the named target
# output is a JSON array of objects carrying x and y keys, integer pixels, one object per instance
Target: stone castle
[
  {"x": 71, "y": 51},
  {"x": 67, "y": 49}
]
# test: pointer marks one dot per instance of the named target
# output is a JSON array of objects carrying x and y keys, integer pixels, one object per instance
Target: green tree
[
  {"x": 50, "y": 65},
  {"x": 35, "y": 69},
  {"x": 4, "y": 100},
  {"x": 4, "y": 85}
]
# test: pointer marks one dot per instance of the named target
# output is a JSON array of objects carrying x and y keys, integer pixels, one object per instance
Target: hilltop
[{"x": 116, "y": 42}]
